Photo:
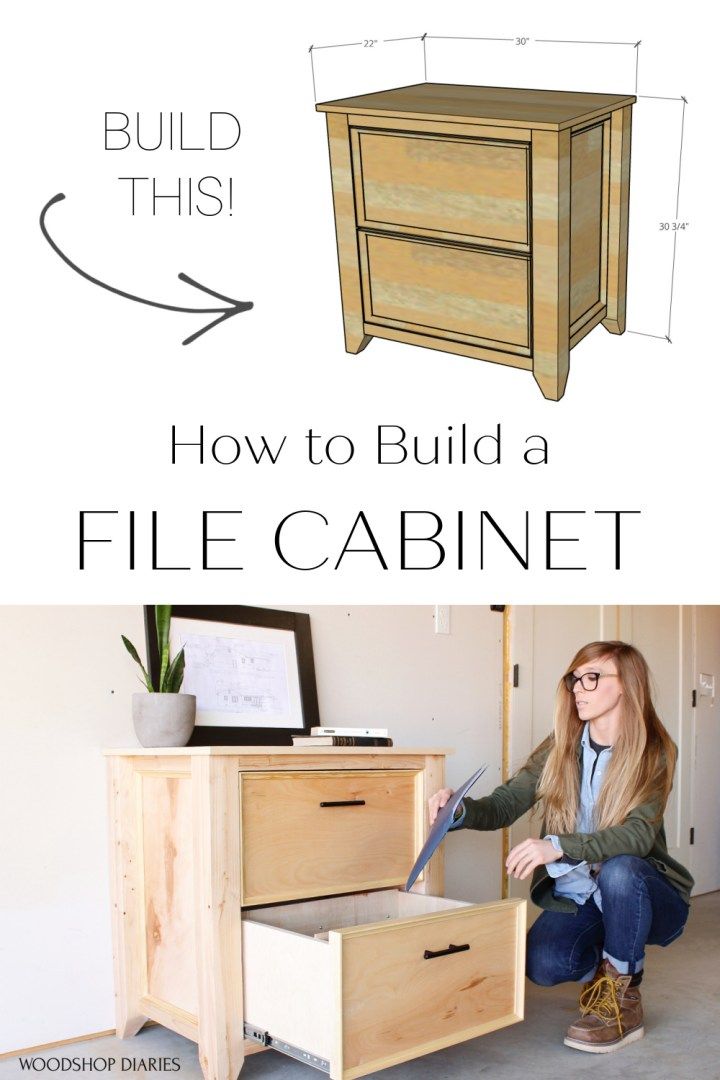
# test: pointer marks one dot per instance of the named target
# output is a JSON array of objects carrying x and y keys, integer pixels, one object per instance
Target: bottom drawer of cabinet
[
  {"x": 357, "y": 983},
  {"x": 469, "y": 295}
]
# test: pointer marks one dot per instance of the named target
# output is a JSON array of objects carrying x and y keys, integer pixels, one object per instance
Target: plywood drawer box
[
  {"x": 516, "y": 202},
  {"x": 364, "y": 982},
  {"x": 204, "y": 839}
]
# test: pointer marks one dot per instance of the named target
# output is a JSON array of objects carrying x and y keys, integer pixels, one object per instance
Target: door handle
[
  {"x": 345, "y": 802},
  {"x": 429, "y": 955}
]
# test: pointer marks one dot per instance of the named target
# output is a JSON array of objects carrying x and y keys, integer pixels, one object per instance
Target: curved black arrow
[{"x": 223, "y": 313}]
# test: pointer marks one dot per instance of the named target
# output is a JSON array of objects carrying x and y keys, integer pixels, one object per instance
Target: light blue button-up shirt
[{"x": 573, "y": 879}]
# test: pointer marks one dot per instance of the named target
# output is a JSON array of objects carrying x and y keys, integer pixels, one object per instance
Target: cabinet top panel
[
  {"x": 554, "y": 109},
  {"x": 275, "y": 751}
]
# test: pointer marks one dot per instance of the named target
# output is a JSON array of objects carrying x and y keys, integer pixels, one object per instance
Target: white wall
[{"x": 64, "y": 694}]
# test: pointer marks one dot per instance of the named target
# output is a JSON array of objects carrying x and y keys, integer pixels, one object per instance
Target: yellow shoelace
[{"x": 600, "y": 999}]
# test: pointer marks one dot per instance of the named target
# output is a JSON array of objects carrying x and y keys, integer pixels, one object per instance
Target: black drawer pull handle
[
  {"x": 345, "y": 802},
  {"x": 445, "y": 952}
]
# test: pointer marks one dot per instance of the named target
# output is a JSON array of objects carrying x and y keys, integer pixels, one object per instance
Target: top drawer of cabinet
[
  {"x": 330, "y": 832},
  {"x": 454, "y": 188}
]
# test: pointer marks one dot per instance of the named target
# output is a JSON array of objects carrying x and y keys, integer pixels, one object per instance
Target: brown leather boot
[{"x": 611, "y": 1013}]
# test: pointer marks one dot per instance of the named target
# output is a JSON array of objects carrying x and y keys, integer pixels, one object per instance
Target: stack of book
[{"x": 344, "y": 736}]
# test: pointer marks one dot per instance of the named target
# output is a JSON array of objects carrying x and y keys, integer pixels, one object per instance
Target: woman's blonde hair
[{"x": 643, "y": 759}]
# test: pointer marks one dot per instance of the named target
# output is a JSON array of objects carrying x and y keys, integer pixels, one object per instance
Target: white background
[{"x": 92, "y": 382}]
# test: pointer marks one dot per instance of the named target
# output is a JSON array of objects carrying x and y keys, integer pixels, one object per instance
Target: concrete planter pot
[{"x": 163, "y": 719}]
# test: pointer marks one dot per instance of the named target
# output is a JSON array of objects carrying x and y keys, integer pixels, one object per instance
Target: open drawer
[{"x": 354, "y": 984}]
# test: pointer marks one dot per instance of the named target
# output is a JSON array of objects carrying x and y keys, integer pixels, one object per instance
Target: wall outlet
[
  {"x": 706, "y": 687},
  {"x": 442, "y": 619}
]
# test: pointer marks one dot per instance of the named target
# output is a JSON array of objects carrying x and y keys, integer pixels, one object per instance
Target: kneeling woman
[{"x": 601, "y": 869}]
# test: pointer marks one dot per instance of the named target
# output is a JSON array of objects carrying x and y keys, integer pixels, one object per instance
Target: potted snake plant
[{"x": 162, "y": 716}]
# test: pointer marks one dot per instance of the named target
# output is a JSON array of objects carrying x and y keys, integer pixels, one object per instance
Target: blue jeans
[{"x": 639, "y": 907}]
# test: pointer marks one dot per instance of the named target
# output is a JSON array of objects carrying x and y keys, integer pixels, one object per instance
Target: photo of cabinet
[
  {"x": 258, "y": 902},
  {"x": 482, "y": 221}
]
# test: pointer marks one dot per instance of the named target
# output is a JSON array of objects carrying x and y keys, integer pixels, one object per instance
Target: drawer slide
[{"x": 256, "y": 1034}]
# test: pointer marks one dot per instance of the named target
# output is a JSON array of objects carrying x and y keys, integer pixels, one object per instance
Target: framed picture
[{"x": 251, "y": 670}]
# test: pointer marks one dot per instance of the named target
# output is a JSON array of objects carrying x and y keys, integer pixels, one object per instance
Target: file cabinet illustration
[
  {"x": 258, "y": 903},
  {"x": 482, "y": 221}
]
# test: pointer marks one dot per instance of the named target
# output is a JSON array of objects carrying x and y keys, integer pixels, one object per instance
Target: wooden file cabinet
[
  {"x": 482, "y": 221},
  {"x": 257, "y": 901}
]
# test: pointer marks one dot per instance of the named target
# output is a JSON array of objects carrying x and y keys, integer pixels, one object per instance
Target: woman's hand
[
  {"x": 524, "y": 857},
  {"x": 437, "y": 801}
]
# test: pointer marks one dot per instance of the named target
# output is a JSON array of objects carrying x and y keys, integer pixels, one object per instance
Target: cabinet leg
[
  {"x": 218, "y": 937},
  {"x": 355, "y": 343},
  {"x": 551, "y": 260},
  {"x": 126, "y": 890},
  {"x": 127, "y": 1026},
  {"x": 552, "y": 378},
  {"x": 615, "y": 326},
  {"x": 221, "y": 1061},
  {"x": 618, "y": 215},
  {"x": 345, "y": 229}
]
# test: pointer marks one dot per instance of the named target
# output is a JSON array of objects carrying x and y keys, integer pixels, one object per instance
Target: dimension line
[
  {"x": 682, "y": 134},
  {"x": 565, "y": 41},
  {"x": 342, "y": 45},
  {"x": 312, "y": 68},
  {"x": 658, "y": 337},
  {"x": 637, "y": 64},
  {"x": 451, "y": 37},
  {"x": 672, "y": 285},
  {"x": 416, "y": 37}
]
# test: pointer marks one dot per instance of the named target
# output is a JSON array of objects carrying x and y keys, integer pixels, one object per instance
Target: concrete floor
[{"x": 681, "y": 993}]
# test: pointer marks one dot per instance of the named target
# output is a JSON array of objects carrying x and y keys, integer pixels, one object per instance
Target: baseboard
[{"x": 64, "y": 1042}]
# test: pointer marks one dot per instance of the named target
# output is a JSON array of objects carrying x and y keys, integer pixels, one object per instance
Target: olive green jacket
[{"x": 642, "y": 832}]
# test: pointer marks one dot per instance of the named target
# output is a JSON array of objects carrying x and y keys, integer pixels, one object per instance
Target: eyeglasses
[{"x": 589, "y": 680}]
